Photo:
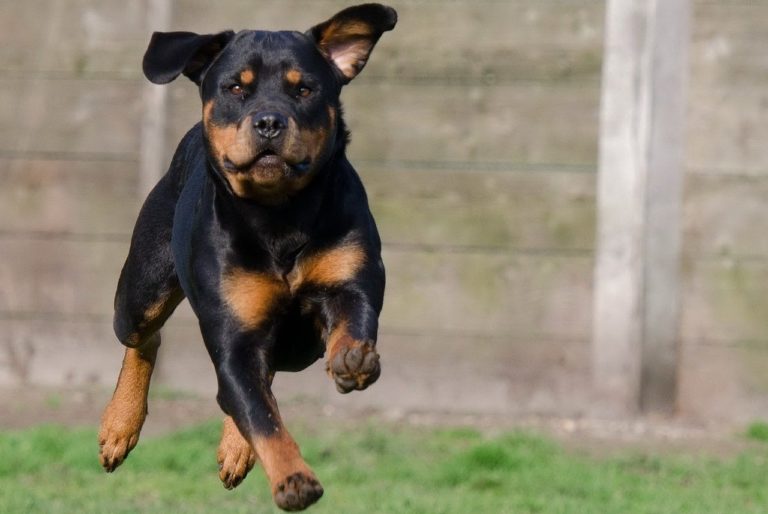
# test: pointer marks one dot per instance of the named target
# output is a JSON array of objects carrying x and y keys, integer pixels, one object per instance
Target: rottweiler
[{"x": 263, "y": 225}]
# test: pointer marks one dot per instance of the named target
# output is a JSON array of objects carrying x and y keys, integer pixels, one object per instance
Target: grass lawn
[{"x": 375, "y": 469}]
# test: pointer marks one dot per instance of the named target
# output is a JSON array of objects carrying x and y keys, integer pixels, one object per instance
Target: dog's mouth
[{"x": 267, "y": 162}]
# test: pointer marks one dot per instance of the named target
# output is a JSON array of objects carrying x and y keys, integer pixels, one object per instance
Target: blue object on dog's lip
[
  {"x": 229, "y": 165},
  {"x": 301, "y": 167}
]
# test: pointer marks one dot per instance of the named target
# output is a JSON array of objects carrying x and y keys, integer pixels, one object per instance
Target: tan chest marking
[
  {"x": 328, "y": 268},
  {"x": 251, "y": 296}
]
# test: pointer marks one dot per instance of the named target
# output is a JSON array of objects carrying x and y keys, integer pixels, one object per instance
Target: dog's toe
[
  {"x": 114, "y": 447},
  {"x": 234, "y": 465},
  {"x": 355, "y": 366},
  {"x": 235, "y": 456},
  {"x": 297, "y": 492}
]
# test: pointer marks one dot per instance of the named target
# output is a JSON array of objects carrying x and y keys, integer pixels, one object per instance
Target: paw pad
[
  {"x": 355, "y": 365},
  {"x": 297, "y": 492}
]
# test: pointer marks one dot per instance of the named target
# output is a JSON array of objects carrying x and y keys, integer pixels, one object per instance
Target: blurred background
[{"x": 475, "y": 129}]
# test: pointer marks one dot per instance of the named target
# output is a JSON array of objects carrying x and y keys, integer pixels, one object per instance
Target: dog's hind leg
[
  {"x": 147, "y": 293},
  {"x": 235, "y": 455}
]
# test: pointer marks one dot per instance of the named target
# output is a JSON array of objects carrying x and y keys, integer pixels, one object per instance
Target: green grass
[
  {"x": 383, "y": 469},
  {"x": 758, "y": 431}
]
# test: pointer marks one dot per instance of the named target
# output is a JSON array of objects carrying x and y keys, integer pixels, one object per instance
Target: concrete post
[
  {"x": 635, "y": 319},
  {"x": 152, "y": 149}
]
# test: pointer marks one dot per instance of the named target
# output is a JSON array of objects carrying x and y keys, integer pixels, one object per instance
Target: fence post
[
  {"x": 153, "y": 141},
  {"x": 636, "y": 293},
  {"x": 152, "y": 149}
]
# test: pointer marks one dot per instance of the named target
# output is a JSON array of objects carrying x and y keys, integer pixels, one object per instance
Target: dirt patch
[{"x": 169, "y": 411}]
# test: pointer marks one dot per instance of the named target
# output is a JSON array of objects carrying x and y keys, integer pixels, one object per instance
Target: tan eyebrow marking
[
  {"x": 293, "y": 77},
  {"x": 247, "y": 76}
]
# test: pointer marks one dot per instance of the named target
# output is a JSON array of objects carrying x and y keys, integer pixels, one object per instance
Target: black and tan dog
[{"x": 263, "y": 225}]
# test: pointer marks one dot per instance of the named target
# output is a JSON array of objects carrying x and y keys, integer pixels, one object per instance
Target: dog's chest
[{"x": 252, "y": 295}]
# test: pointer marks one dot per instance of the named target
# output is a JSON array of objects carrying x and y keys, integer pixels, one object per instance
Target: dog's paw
[
  {"x": 354, "y": 365},
  {"x": 235, "y": 456},
  {"x": 297, "y": 492},
  {"x": 118, "y": 435},
  {"x": 234, "y": 465}
]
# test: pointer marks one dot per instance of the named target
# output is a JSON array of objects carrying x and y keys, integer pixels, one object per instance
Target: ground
[
  {"x": 171, "y": 410},
  {"x": 379, "y": 462}
]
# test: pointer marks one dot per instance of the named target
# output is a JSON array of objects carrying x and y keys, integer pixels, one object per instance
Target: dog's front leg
[
  {"x": 245, "y": 393},
  {"x": 350, "y": 321}
]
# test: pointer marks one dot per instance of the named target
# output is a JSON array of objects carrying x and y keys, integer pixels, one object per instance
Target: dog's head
[{"x": 271, "y": 112}]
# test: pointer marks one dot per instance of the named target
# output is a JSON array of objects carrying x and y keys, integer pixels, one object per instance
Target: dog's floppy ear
[
  {"x": 348, "y": 38},
  {"x": 170, "y": 54}
]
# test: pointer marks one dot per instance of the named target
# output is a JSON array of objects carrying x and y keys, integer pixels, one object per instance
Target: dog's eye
[
  {"x": 304, "y": 91},
  {"x": 236, "y": 89}
]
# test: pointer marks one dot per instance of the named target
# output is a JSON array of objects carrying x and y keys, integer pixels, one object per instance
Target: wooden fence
[{"x": 475, "y": 130}]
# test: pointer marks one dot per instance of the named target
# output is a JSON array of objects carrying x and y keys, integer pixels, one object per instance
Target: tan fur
[
  {"x": 293, "y": 77},
  {"x": 231, "y": 143},
  {"x": 330, "y": 267},
  {"x": 227, "y": 141},
  {"x": 304, "y": 142},
  {"x": 337, "y": 31},
  {"x": 162, "y": 307},
  {"x": 251, "y": 295},
  {"x": 124, "y": 415},
  {"x": 348, "y": 44},
  {"x": 337, "y": 339},
  {"x": 235, "y": 455},
  {"x": 167, "y": 302},
  {"x": 134, "y": 340},
  {"x": 236, "y": 144},
  {"x": 280, "y": 457},
  {"x": 246, "y": 77},
  {"x": 155, "y": 310}
]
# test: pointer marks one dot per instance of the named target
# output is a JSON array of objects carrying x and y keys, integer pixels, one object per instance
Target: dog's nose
[{"x": 269, "y": 124}]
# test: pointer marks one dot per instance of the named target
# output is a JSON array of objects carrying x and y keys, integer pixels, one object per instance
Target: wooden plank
[
  {"x": 472, "y": 292},
  {"x": 75, "y": 197},
  {"x": 723, "y": 384},
  {"x": 493, "y": 209},
  {"x": 110, "y": 37},
  {"x": 723, "y": 215},
  {"x": 726, "y": 302},
  {"x": 438, "y": 373},
  {"x": 495, "y": 375},
  {"x": 551, "y": 41},
  {"x": 72, "y": 278},
  {"x": 487, "y": 293},
  {"x": 416, "y": 206},
  {"x": 726, "y": 129},
  {"x": 100, "y": 116},
  {"x": 505, "y": 123},
  {"x": 728, "y": 99},
  {"x": 542, "y": 40},
  {"x": 726, "y": 216},
  {"x": 437, "y": 292},
  {"x": 89, "y": 37},
  {"x": 58, "y": 354},
  {"x": 727, "y": 42}
]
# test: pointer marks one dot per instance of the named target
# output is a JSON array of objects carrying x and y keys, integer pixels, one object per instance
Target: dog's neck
[{"x": 281, "y": 228}]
